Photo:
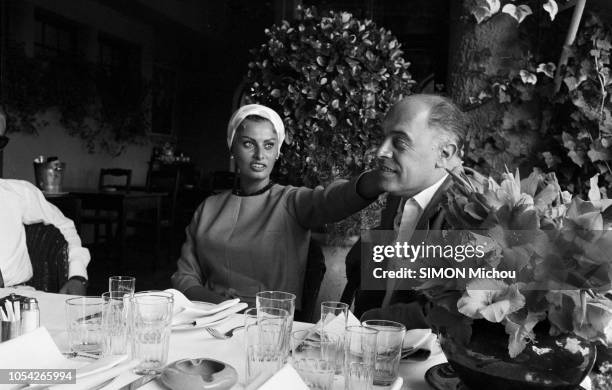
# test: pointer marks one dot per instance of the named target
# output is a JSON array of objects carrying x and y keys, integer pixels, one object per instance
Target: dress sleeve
[
  {"x": 36, "y": 209},
  {"x": 315, "y": 207},
  {"x": 189, "y": 273}
]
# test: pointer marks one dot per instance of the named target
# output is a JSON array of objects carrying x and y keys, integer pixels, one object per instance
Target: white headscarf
[{"x": 259, "y": 110}]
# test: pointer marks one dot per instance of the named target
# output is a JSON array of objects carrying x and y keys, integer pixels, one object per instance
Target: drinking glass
[
  {"x": 115, "y": 323},
  {"x": 279, "y": 300},
  {"x": 334, "y": 317},
  {"x": 358, "y": 376},
  {"x": 388, "y": 350},
  {"x": 262, "y": 358},
  {"x": 84, "y": 324},
  {"x": 266, "y": 325},
  {"x": 265, "y": 335},
  {"x": 122, "y": 285},
  {"x": 307, "y": 358},
  {"x": 359, "y": 347},
  {"x": 316, "y": 373},
  {"x": 150, "y": 327}
]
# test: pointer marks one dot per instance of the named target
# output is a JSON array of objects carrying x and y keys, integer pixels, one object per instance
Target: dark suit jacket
[{"x": 433, "y": 218}]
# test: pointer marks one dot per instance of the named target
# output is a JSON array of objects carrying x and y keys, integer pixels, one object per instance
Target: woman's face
[{"x": 255, "y": 150}]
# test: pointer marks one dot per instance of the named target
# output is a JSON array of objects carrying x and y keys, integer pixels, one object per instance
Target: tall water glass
[
  {"x": 150, "y": 325},
  {"x": 279, "y": 300},
  {"x": 359, "y": 376},
  {"x": 359, "y": 347},
  {"x": 388, "y": 350},
  {"x": 122, "y": 285},
  {"x": 84, "y": 324},
  {"x": 264, "y": 334},
  {"x": 334, "y": 317},
  {"x": 307, "y": 359},
  {"x": 115, "y": 323},
  {"x": 266, "y": 325}
]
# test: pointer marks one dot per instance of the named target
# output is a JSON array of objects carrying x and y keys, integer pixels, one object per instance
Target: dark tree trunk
[{"x": 476, "y": 53}]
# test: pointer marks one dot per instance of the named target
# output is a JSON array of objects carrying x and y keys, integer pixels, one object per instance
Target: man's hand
[{"x": 73, "y": 287}]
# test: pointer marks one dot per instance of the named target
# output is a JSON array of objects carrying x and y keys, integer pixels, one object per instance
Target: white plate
[{"x": 415, "y": 338}]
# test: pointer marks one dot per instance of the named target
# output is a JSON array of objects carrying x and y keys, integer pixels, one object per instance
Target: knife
[{"x": 136, "y": 383}]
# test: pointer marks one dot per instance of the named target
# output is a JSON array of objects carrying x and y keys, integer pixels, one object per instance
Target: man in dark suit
[{"x": 424, "y": 136}]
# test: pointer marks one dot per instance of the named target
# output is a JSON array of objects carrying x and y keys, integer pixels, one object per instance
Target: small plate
[{"x": 199, "y": 373}]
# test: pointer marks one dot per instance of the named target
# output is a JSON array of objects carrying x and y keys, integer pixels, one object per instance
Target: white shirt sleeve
[{"x": 36, "y": 209}]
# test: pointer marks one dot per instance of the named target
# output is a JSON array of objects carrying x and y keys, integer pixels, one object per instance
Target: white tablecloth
[{"x": 197, "y": 344}]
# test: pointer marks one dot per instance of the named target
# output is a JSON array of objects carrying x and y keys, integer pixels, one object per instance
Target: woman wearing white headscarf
[{"x": 256, "y": 237}]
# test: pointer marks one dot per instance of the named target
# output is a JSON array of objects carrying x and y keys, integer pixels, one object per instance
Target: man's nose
[{"x": 384, "y": 150}]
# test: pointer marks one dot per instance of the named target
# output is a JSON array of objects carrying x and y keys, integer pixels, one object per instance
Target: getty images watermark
[{"x": 436, "y": 255}]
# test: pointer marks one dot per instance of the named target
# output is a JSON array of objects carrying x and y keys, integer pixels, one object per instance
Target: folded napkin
[
  {"x": 187, "y": 319},
  {"x": 286, "y": 378},
  {"x": 100, "y": 377},
  {"x": 37, "y": 349},
  {"x": 183, "y": 305},
  {"x": 335, "y": 324}
]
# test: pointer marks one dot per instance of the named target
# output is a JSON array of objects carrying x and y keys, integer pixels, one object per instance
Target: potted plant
[{"x": 538, "y": 328}]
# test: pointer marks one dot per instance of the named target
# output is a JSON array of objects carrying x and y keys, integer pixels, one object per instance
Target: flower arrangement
[{"x": 558, "y": 245}]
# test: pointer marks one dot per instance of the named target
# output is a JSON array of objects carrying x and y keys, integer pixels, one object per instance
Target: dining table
[{"x": 197, "y": 343}]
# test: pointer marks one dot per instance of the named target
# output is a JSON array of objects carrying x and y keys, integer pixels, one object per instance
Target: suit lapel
[{"x": 435, "y": 205}]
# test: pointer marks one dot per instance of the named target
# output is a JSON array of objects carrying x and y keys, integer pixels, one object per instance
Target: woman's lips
[{"x": 258, "y": 167}]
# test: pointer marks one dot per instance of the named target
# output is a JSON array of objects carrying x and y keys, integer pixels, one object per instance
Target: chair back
[
  {"x": 116, "y": 172},
  {"x": 165, "y": 178},
  {"x": 315, "y": 271},
  {"x": 48, "y": 251}
]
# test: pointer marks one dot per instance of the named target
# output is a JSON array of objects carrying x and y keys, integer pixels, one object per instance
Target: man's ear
[{"x": 448, "y": 152}]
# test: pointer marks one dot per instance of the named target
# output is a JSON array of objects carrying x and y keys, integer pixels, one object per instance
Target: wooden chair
[
  {"x": 48, "y": 251},
  {"x": 103, "y": 215},
  {"x": 168, "y": 179}
]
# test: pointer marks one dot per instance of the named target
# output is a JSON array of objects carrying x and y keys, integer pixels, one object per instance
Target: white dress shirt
[
  {"x": 405, "y": 224},
  {"x": 22, "y": 203},
  {"x": 413, "y": 208}
]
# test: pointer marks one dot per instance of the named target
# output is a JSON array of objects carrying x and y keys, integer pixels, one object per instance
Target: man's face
[{"x": 410, "y": 151}]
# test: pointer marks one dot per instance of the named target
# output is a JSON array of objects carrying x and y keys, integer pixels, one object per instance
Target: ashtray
[{"x": 206, "y": 374}]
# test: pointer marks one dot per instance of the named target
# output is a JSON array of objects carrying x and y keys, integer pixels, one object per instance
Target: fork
[{"x": 222, "y": 336}]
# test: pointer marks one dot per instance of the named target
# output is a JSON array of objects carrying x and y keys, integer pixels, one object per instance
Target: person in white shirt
[
  {"x": 424, "y": 137},
  {"x": 22, "y": 203}
]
